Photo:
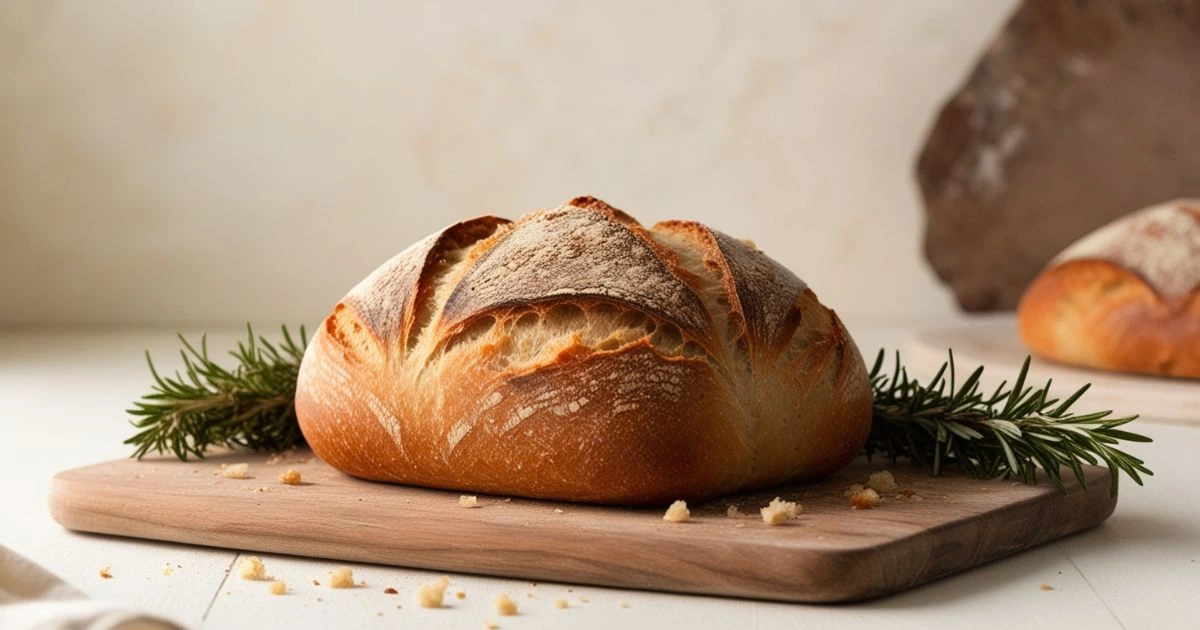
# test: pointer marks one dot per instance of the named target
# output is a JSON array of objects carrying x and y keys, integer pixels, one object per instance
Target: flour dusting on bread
[{"x": 1161, "y": 244}]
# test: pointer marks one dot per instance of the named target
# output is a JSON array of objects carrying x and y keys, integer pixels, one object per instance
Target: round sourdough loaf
[
  {"x": 1125, "y": 297},
  {"x": 574, "y": 354}
]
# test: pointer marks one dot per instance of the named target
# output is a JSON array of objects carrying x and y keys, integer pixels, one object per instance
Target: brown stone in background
[{"x": 1079, "y": 113}]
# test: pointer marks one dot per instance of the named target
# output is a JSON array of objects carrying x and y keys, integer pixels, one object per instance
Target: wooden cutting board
[
  {"x": 994, "y": 343},
  {"x": 830, "y": 554}
]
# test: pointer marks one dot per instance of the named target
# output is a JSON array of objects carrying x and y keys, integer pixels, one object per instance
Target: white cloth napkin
[{"x": 32, "y": 598}]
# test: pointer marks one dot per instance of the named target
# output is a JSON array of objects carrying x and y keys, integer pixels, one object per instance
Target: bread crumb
[
  {"x": 558, "y": 510},
  {"x": 739, "y": 525},
  {"x": 291, "y": 477},
  {"x": 504, "y": 605},
  {"x": 431, "y": 595},
  {"x": 390, "y": 591},
  {"x": 252, "y": 568},
  {"x": 678, "y": 512},
  {"x": 341, "y": 577},
  {"x": 732, "y": 511},
  {"x": 778, "y": 511},
  {"x": 278, "y": 587},
  {"x": 468, "y": 501},
  {"x": 882, "y": 482},
  {"x": 863, "y": 498},
  {"x": 561, "y": 603},
  {"x": 236, "y": 471},
  {"x": 1046, "y": 587},
  {"x": 490, "y": 625},
  {"x": 168, "y": 570},
  {"x": 461, "y": 594},
  {"x": 104, "y": 573},
  {"x": 622, "y": 604}
]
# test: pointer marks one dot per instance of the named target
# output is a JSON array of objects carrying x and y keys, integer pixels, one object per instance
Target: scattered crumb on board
[
  {"x": 1046, "y": 587},
  {"x": 278, "y": 587},
  {"x": 291, "y": 477},
  {"x": 106, "y": 573},
  {"x": 235, "y": 471},
  {"x": 882, "y": 482},
  {"x": 677, "y": 513},
  {"x": 862, "y": 498},
  {"x": 468, "y": 501},
  {"x": 778, "y": 511}
]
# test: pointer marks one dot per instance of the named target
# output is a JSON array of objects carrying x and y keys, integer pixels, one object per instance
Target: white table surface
[{"x": 64, "y": 392}]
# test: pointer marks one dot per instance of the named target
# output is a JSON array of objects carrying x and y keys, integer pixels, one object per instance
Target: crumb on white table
[
  {"x": 341, "y": 577},
  {"x": 278, "y": 587},
  {"x": 504, "y": 605},
  {"x": 431, "y": 595},
  {"x": 252, "y": 568},
  {"x": 560, "y": 603}
]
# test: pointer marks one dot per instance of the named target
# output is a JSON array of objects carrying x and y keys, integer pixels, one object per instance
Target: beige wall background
[{"x": 229, "y": 161}]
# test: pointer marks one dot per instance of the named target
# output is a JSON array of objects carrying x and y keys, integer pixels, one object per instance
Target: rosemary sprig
[
  {"x": 251, "y": 406},
  {"x": 1011, "y": 432},
  {"x": 941, "y": 424}
]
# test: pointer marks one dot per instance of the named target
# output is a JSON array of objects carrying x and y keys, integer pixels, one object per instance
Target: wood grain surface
[
  {"x": 830, "y": 554},
  {"x": 994, "y": 343}
]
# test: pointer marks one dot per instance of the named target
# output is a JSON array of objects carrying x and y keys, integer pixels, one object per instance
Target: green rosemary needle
[
  {"x": 251, "y": 406},
  {"x": 1012, "y": 432},
  {"x": 941, "y": 424}
]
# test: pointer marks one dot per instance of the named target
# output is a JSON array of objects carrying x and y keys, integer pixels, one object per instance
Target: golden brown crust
[
  {"x": 1096, "y": 313},
  {"x": 576, "y": 355}
]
